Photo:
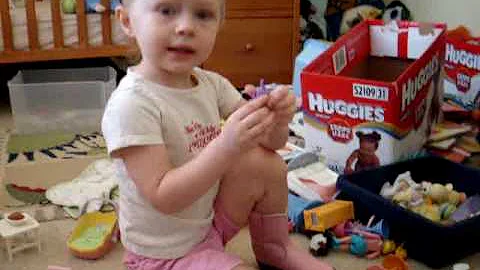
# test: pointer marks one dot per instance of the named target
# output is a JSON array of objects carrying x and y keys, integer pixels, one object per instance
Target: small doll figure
[
  {"x": 365, "y": 155},
  {"x": 360, "y": 243}
]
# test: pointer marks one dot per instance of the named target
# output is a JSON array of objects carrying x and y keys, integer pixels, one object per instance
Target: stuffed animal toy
[
  {"x": 309, "y": 28},
  {"x": 356, "y": 15},
  {"x": 396, "y": 11}
]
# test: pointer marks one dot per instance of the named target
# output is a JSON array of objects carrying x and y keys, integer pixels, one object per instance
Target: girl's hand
[
  {"x": 283, "y": 103},
  {"x": 245, "y": 127}
]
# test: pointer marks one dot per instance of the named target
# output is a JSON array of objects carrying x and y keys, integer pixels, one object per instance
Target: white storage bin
[{"x": 72, "y": 100}]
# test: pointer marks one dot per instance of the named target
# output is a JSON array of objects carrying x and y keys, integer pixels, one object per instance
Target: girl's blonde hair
[{"x": 126, "y": 3}]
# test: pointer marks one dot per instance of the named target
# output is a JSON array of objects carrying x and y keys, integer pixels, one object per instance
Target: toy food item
[{"x": 16, "y": 216}]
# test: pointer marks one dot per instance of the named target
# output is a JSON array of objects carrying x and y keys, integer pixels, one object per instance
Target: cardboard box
[
  {"x": 372, "y": 97},
  {"x": 462, "y": 72}
]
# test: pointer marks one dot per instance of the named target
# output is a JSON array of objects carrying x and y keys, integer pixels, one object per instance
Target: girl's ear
[{"x": 122, "y": 15}]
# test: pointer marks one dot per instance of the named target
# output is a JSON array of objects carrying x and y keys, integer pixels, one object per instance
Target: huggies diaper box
[
  {"x": 462, "y": 70},
  {"x": 372, "y": 97}
]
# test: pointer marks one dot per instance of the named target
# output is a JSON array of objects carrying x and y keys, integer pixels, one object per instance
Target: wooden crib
[{"x": 59, "y": 48}]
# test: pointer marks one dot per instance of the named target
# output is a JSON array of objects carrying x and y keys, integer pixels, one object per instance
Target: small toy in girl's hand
[{"x": 261, "y": 90}]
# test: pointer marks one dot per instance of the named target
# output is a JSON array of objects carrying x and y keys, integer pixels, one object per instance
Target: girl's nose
[{"x": 185, "y": 25}]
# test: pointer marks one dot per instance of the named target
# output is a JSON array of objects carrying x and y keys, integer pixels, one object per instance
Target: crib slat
[
  {"x": 106, "y": 23},
  {"x": 82, "y": 25},
  {"x": 6, "y": 26},
  {"x": 32, "y": 27},
  {"x": 57, "y": 24}
]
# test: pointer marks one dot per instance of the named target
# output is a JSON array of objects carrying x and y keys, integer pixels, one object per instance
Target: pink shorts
[{"x": 209, "y": 254}]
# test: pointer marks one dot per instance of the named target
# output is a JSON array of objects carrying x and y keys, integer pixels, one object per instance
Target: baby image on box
[{"x": 364, "y": 157}]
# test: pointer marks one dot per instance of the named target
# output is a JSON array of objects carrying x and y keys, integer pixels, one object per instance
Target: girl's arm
[{"x": 171, "y": 189}]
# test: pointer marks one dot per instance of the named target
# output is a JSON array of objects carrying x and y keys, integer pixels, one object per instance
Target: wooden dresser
[{"x": 259, "y": 39}]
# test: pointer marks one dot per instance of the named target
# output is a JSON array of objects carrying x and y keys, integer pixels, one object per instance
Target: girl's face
[{"x": 173, "y": 35}]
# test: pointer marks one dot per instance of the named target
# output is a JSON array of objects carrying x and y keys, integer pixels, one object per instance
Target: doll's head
[{"x": 368, "y": 142}]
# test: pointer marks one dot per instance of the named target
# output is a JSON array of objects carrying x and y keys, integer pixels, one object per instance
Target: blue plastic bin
[{"x": 433, "y": 244}]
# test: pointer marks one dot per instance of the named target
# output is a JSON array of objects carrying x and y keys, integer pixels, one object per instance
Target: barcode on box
[
  {"x": 339, "y": 60},
  {"x": 372, "y": 92}
]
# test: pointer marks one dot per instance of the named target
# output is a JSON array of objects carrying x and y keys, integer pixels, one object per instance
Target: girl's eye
[
  {"x": 205, "y": 15},
  {"x": 167, "y": 11}
]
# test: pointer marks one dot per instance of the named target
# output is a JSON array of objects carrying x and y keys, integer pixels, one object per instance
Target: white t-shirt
[{"x": 141, "y": 112}]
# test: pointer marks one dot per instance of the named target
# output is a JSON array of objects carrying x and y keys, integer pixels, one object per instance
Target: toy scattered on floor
[
  {"x": 346, "y": 228},
  {"x": 326, "y": 216},
  {"x": 390, "y": 262},
  {"x": 368, "y": 241},
  {"x": 319, "y": 245},
  {"x": 296, "y": 207},
  {"x": 94, "y": 234},
  {"x": 16, "y": 219},
  {"x": 19, "y": 236},
  {"x": 360, "y": 243},
  {"x": 310, "y": 178},
  {"x": 431, "y": 200}
]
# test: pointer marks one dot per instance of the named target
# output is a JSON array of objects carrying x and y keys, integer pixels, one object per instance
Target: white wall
[{"x": 452, "y": 12}]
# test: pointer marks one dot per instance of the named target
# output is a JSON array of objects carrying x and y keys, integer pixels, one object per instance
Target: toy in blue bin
[{"x": 311, "y": 50}]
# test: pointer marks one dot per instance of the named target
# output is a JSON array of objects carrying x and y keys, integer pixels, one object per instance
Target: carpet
[
  {"x": 22, "y": 158},
  {"x": 48, "y": 146}
]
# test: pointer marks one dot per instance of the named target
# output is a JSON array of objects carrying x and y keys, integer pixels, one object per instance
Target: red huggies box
[
  {"x": 372, "y": 97},
  {"x": 462, "y": 69}
]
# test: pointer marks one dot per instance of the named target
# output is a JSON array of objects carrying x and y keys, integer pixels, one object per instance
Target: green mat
[{"x": 30, "y": 143}]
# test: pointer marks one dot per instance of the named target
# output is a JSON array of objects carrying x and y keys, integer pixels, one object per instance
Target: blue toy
[{"x": 296, "y": 206}]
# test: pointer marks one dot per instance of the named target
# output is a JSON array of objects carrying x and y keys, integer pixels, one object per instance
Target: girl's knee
[{"x": 266, "y": 163}]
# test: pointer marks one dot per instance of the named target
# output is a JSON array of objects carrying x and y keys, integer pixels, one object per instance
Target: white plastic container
[{"x": 70, "y": 100}]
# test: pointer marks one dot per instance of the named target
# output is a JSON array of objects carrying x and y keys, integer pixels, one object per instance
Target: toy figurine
[
  {"x": 253, "y": 92},
  {"x": 319, "y": 245},
  {"x": 361, "y": 244}
]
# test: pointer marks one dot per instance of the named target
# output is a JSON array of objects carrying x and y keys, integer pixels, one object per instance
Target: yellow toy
[
  {"x": 94, "y": 235},
  {"x": 328, "y": 215},
  {"x": 388, "y": 247}
]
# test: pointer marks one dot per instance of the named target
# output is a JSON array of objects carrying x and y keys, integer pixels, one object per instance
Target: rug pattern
[{"x": 31, "y": 148}]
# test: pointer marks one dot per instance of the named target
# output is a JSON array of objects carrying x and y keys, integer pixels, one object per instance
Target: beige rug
[{"x": 55, "y": 252}]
